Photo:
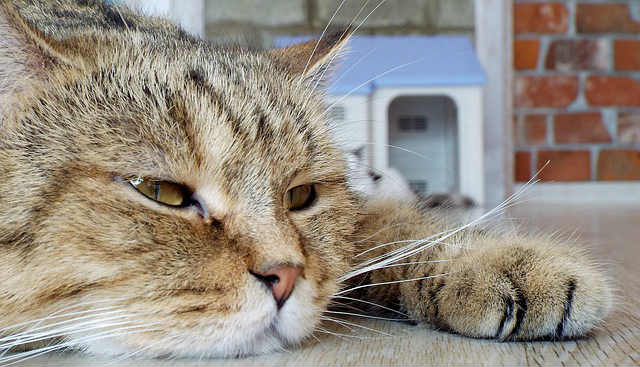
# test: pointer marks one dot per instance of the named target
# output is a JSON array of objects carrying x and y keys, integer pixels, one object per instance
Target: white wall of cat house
[{"x": 415, "y": 105}]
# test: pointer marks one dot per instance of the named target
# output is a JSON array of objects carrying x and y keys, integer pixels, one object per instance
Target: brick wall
[
  {"x": 577, "y": 89},
  {"x": 258, "y": 22}
]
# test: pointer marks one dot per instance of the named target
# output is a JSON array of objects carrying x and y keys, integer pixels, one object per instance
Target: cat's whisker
[
  {"x": 324, "y": 318},
  {"x": 371, "y": 80},
  {"x": 370, "y": 303},
  {"x": 366, "y": 316},
  {"x": 423, "y": 245},
  {"x": 399, "y": 250},
  {"x": 328, "y": 65},
  {"x": 347, "y": 323},
  {"x": 343, "y": 305},
  {"x": 377, "y": 262},
  {"x": 338, "y": 335},
  {"x": 21, "y": 357},
  {"x": 33, "y": 329},
  {"x": 39, "y": 349},
  {"x": 390, "y": 282},
  {"x": 315, "y": 48},
  {"x": 312, "y": 335},
  {"x": 383, "y": 245},
  {"x": 63, "y": 332},
  {"x": 413, "y": 152},
  {"x": 415, "y": 263},
  {"x": 404, "y": 149},
  {"x": 377, "y": 233},
  {"x": 346, "y": 72},
  {"x": 57, "y": 314}
]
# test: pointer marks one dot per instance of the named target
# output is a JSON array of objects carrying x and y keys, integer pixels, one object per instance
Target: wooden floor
[{"x": 613, "y": 234}]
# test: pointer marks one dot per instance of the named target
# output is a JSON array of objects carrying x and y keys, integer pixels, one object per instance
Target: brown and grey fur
[{"x": 93, "y": 95}]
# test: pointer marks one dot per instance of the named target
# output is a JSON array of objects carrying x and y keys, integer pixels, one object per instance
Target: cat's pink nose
[{"x": 281, "y": 280}]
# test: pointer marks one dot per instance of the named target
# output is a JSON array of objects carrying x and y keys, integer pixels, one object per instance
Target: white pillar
[
  {"x": 189, "y": 14},
  {"x": 494, "y": 44}
]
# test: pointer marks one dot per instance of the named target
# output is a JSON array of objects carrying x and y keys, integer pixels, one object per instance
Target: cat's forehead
[{"x": 241, "y": 116}]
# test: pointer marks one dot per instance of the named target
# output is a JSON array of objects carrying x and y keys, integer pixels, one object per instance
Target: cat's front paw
[{"x": 522, "y": 293}]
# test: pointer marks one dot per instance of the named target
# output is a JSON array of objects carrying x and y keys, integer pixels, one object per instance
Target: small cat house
[{"x": 415, "y": 104}]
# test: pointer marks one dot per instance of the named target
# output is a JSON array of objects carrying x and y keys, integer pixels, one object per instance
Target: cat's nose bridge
[{"x": 273, "y": 242}]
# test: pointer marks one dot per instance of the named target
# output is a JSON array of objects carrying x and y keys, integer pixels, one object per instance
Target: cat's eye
[
  {"x": 300, "y": 197},
  {"x": 168, "y": 193}
]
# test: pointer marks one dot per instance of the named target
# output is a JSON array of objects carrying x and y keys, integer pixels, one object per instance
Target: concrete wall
[{"x": 257, "y": 22}]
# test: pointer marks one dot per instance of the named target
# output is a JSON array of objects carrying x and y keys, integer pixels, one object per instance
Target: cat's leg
[{"x": 507, "y": 287}]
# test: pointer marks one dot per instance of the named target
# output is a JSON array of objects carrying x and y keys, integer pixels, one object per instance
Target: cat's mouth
[{"x": 297, "y": 318}]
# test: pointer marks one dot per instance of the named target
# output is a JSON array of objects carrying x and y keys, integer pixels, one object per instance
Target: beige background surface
[{"x": 613, "y": 234}]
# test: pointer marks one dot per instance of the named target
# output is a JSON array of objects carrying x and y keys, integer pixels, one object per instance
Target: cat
[
  {"x": 392, "y": 185},
  {"x": 165, "y": 197}
]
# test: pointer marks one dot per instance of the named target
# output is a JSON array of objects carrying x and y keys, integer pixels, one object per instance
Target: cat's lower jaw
[{"x": 258, "y": 329}]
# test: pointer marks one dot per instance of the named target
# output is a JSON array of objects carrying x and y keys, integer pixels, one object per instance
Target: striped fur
[{"x": 94, "y": 95}]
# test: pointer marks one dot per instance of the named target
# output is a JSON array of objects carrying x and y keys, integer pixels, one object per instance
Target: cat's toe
[
  {"x": 576, "y": 306},
  {"x": 515, "y": 309},
  {"x": 524, "y": 294}
]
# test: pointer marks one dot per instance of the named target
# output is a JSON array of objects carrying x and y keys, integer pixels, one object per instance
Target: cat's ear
[
  {"x": 312, "y": 60},
  {"x": 26, "y": 52}
]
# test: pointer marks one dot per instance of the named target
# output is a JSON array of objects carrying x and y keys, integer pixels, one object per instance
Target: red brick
[
  {"x": 545, "y": 91},
  {"x": 619, "y": 165},
  {"x": 627, "y": 54},
  {"x": 580, "y": 128},
  {"x": 629, "y": 127},
  {"x": 525, "y": 54},
  {"x": 523, "y": 166},
  {"x": 612, "y": 91},
  {"x": 605, "y": 18},
  {"x": 565, "y": 165},
  {"x": 533, "y": 130},
  {"x": 541, "y": 18},
  {"x": 567, "y": 55}
]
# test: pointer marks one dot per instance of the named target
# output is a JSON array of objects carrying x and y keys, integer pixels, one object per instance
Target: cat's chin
[{"x": 259, "y": 329}]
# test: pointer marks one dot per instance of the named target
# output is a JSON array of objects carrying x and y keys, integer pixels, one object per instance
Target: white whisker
[
  {"x": 371, "y": 80},
  {"x": 347, "y": 323},
  {"x": 339, "y": 335},
  {"x": 370, "y": 303},
  {"x": 336, "y": 54},
  {"x": 414, "y": 263},
  {"x": 383, "y": 245},
  {"x": 390, "y": 282},
  {"x": 21, "y": 357},
  {"x": 58, "y": 315},
  {"x": 315, "y": 48},
  {"x": 365, "y": 316},
  {"x": 425, "y": 244},
  {"x": 31, "y": 330},
  {"x": 64, "y": 332}
]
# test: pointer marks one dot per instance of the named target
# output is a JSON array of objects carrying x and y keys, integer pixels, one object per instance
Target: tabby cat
[{"x": 163, "y": 196}]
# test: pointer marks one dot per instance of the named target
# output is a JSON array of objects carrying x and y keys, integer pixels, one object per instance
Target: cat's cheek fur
[{"x": 258, "y": 327}]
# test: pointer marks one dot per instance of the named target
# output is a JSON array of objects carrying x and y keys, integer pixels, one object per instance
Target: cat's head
[{"x": 179, "y": 198}]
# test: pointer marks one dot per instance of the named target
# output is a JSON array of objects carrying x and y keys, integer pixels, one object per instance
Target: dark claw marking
[
  {"x": 571, "y": 288},
  {"x": 510, "y": 311},
  {"x": 508, "y": 315},
  {"x": 433, "y": 299}
]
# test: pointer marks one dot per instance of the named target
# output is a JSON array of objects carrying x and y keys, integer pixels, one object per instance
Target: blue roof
[{"x": 402, "y": 61}]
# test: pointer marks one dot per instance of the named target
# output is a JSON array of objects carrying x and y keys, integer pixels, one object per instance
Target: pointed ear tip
[{"x": 340, "y": 36}]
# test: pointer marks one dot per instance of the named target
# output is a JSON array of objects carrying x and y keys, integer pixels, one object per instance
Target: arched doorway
[{"x": 423, "y": 142}]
